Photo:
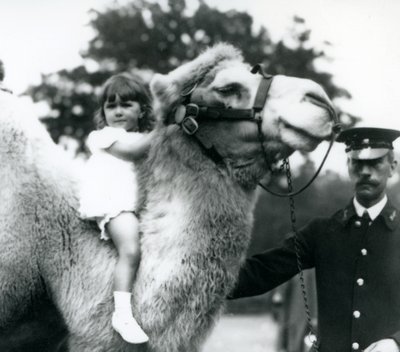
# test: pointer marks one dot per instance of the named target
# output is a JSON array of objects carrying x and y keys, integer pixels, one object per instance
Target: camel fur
[{"x": 195, "y": 217}]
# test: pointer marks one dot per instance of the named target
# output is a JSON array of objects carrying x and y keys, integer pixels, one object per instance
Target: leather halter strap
[
  {"x": 190, "y": 115},
  {"x": 210, "y": 113},
  {"x": 263, "y": 88}
]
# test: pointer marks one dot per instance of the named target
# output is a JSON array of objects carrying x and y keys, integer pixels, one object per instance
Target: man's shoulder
[
  {"x": 391, "y": 215},
  {"x": 391, "y": 205},
  {"x": 340, "y": 216},
  {"x": 344, "y": 214}
]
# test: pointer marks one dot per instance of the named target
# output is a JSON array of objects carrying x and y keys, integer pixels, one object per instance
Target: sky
[{"x": 43, "y": 36}]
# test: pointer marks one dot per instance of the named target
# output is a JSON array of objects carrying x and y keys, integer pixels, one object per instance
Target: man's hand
[{"x": 386, "y": 345}]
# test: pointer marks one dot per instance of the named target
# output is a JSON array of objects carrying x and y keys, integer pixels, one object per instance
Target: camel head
[{"x": 297, "y": 114}]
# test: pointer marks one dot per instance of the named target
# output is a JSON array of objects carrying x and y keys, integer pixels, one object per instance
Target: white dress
[{"x": 109, "y": 184}]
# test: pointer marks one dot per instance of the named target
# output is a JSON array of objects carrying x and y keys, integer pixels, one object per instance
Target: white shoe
[{"x": 129, "y": 329}]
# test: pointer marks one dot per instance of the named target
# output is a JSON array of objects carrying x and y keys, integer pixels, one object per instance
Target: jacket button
[
  {"x": 355, "y": 346},
  {"x": 356, "y": 314},
  {"x": 364, "y": 251},
  {"x": 357, "y": 223},
  {"x": 360, "y": 282}
]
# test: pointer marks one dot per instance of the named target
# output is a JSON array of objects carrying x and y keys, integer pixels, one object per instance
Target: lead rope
[
  {"x": 292, "y": 193},
  {"x": 312, "y": 333}
]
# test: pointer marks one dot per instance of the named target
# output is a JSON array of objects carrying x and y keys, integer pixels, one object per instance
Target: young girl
[{"x": 109, "y": 187}]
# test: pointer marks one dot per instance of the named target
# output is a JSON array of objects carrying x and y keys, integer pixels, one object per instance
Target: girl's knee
[
  {"x": 124, "y": 231},
  {"x": 130, "y": 253}
]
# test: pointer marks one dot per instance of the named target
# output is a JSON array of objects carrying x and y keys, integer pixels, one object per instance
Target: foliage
[{"x": 144, "y": 36}]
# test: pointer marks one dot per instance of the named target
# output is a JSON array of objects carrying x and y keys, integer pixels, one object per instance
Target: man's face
[{"x": 369, "y": 178}]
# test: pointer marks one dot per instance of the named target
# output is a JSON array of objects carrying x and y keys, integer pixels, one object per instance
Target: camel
[{"x": 195, "y": 213}]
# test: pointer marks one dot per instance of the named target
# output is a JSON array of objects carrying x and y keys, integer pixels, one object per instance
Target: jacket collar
[{"x": 389, "y": 213}]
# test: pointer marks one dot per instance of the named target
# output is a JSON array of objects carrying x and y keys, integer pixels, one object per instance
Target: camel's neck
[
  {"x": 184, "y": 151},
  {"x": 182, "y": 181},
  {"x": 196, "y": 216}
]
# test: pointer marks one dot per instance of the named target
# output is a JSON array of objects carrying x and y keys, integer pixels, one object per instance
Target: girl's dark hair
[{"x": 128, "y": 87}]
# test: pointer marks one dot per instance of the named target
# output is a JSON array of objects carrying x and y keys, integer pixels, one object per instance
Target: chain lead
[{"x": 286, "y": 166}]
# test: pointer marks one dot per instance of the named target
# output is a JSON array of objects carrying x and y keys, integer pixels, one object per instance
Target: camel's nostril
[
  {"x": 323, "y": 103},
  {"x": 316, "y": 99}
]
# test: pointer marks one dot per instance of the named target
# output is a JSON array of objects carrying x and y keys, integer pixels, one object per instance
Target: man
[{"x": 355, "y": 253}]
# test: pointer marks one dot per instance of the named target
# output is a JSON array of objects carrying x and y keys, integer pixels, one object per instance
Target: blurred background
[{"x": 57, "y": 53}]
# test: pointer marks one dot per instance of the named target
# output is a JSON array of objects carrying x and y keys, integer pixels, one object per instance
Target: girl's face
[{"x": 123, "y": 114}]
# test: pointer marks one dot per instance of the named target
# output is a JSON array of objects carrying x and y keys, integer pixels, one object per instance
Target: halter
[{"x": 189, "y": 115}]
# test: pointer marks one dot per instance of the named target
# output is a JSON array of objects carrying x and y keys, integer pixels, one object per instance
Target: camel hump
[
  {"x": 20, "y": 124},
  {"x": 25, "y": 141}
]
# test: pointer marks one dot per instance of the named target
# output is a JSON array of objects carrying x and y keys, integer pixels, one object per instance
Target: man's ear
[
  {"x": 393, "y": 166},
  {"x": 348, "y": 162}
]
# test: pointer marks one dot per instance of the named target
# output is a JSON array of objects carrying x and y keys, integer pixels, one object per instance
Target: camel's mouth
[{"x": 298, "y": 138}]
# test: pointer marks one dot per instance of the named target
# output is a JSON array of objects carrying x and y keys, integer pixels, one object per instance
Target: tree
[{"x": 144, "y": 36}]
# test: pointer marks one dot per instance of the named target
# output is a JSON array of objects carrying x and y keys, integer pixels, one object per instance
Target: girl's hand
[
  {"x": 385, "y": 345},
  {"x": 131, "y": 149}
]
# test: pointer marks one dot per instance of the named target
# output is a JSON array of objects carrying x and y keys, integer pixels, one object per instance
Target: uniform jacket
[{"x": 357, "y": 265}]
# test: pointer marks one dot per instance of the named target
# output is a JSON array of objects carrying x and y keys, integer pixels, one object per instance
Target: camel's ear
[
  {"x": 159, "y": 85},
  {"x": 164, "y": 92},
  {"x": 166, "y": 89}
]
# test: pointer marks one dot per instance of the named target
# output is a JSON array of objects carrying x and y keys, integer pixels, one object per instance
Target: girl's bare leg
[{"x": 124, "y": 231}]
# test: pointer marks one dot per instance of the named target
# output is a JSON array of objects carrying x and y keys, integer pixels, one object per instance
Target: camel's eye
[{"x": 229, "y": 89}]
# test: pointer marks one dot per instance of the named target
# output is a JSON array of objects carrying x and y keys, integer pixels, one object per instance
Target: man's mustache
[{"x": 367, "y": 183}]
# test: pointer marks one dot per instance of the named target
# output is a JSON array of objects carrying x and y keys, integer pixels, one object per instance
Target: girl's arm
[{"x": 131, "y": 149}]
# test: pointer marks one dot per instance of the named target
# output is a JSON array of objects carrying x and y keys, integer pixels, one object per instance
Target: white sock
[{"x": 122, "y": 303}]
